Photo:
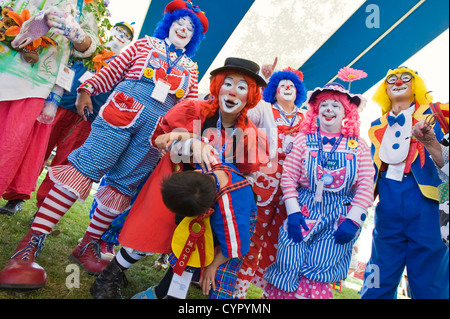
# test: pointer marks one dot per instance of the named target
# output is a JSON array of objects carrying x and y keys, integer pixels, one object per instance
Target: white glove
[
  {"x": 357, "y": 214},
  {"x": 32, "y": 29},
  {"x": 65, "y": 24}
]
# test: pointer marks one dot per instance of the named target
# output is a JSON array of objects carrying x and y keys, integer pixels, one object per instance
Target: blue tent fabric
[
  {"x": 222, "y": 22},
  {"x": 426, "y": 21}
]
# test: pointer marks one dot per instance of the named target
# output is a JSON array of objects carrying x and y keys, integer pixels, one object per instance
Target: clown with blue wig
[
  {"x": 150, "y": 77},
  {"x": 279, "y": 114}
]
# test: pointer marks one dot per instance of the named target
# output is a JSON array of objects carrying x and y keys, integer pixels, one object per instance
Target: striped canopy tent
[
  {"x": 373, "y": 36},
  {"x": 319, "y": 37}
]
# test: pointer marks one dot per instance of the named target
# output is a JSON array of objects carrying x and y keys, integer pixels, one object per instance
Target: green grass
[
  {"x": 58, "y": 246},
  {"x": 54, "y": 257}
]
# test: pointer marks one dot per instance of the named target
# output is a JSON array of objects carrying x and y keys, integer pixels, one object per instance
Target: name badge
[
  {"x": 179, "y": 285},
  {"x": 65, "y": 78},
  {"x": 288, "y": 144},
  {"x": 332, "y": 162},
  {"x": 155, "y": 63},
  {"x": 395, "y": 171},
  {"x": 161, "y": 91}
]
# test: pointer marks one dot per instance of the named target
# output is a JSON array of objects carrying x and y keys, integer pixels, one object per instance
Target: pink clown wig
[{"x": 350, "y": 123}]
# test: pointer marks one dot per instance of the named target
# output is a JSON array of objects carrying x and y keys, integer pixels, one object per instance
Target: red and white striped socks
[
  {"x": 99, "y": 223},
  {"x": 55, "y": 205}
]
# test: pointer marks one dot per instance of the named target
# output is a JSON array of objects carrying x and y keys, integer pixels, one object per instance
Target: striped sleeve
[
  {"x": 294, "y": 170},
  {"x": 192, "y": 89},
  {"x": 108, "y": 77},
  {"x": 364, "y": 195},
  {"x": 228, "y": 235}
]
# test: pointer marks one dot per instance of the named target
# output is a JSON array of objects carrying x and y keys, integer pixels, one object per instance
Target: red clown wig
[{"x": 254, "y": 96}]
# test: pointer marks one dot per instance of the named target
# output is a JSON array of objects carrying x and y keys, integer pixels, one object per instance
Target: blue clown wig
[
  {"x": 269, "y": 94},
  {"x": 163, "y": 27}
]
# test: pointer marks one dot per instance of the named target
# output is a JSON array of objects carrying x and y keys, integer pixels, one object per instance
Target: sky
[{"x": 287, "y": 40}]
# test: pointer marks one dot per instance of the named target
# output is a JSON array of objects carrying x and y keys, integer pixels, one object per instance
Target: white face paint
[
  {"x": 400, "y": 89},
  {"x": 120, "y": 39},
  {"x": 181, "y": 32},
  {"x": 286, "y": 90},
  {"x": 331, "y": 114},
  {"x": 233, "y": 94}
]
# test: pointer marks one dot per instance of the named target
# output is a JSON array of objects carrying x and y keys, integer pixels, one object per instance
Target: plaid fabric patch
[
  {"x": 226, "y": 277},
  {"x": 233, "y": 186}
]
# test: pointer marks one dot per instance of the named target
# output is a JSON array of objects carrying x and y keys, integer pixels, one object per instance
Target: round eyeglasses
[{"x": 405, "y": 77}]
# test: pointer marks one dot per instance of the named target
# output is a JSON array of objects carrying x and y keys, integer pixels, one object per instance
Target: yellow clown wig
[{"x": 418, "y": 87}]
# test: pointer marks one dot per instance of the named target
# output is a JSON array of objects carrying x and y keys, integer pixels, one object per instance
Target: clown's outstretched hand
[{"x": 65, "y": 24}]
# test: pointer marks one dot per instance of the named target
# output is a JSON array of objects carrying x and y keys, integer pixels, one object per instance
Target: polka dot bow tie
[{"x": 399, "y": 119}]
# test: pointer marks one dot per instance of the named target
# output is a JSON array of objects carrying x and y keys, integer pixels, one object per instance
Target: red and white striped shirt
[
  {"x": 132, "y": 63},
  {"x": 295, "y": 171}
]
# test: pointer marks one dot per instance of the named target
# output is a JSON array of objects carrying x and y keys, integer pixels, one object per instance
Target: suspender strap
[{"x": 232, "y": 186}]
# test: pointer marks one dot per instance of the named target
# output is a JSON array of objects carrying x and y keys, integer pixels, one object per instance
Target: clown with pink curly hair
[
  {"x": 334, "y": 91},
  {"x": 327, "y": 185}
]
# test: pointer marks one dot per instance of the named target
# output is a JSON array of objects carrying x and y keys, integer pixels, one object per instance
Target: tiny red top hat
[{"x": 187, "y": 4}]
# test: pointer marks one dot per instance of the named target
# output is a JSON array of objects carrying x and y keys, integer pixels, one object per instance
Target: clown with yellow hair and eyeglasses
[{"x": 407, "y": 231}]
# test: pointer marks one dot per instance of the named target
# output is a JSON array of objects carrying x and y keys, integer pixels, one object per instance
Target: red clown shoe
[
  {"x": 22, "y": 271},
  {"x": 87, "y": 255}
]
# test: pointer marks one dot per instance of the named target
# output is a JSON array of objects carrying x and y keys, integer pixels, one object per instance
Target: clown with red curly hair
[
  {"x": 280, "y": 115},
  {"x": 327, "y": 185},
  {"x": 198, "y": 133}
]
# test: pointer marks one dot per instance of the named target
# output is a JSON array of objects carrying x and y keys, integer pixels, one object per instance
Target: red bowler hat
[{"x": 187, "y": 4}]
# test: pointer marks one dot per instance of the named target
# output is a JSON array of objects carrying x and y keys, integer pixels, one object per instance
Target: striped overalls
[
  {"x": 119, "y": 143},
  {"x": 318, "y": 257}
]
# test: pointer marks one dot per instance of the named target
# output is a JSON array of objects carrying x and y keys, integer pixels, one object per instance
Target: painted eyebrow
[{"x": 188, "y": 20}]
